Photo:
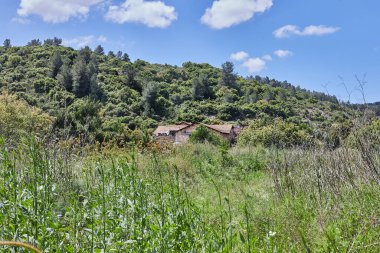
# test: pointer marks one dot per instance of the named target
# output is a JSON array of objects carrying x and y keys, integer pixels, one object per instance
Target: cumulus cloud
[
  {"x": 283, "y": 53},
  {"x": 149, "y": 13},
  {"x": 254, "y": 65},
  {"x": 257, "y": 64},
  {"x": 312, "y": 30},
  {"x": 56, "y": 11},
  {"x": 239, "y": 56},
  {"x": 226, "y": 13},
  {"x": 84, "y": 41}
]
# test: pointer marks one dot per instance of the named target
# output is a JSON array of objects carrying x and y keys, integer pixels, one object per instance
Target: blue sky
[{"x": 308, "y": 43}]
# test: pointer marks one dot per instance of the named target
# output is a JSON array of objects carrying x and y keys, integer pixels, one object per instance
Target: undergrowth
[{"x": 195, "y": 198}]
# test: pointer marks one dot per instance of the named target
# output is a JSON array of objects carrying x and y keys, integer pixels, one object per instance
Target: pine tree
[
  {"x": 99, "y": 50},
  {"x": 81, "y": 80},
  {"x": 126, "y": 58},
  {"x": 7, "y": 43},
  {"x": 34, "y": 43},
  {"x": 48, "y": 42},
  {"x": 65, "y": 78},
  {"x": 201, "y": 88},
  {"x": 149, "y": 97},
  {"x": 130, "y": 78},
  {"x": 95, "y": 90},
  {"x": 228, "y": 76},
  {"x": 55, "y": 64},
  {"x": 85, "y": 54},
  {"x": 57, "y": 41}
]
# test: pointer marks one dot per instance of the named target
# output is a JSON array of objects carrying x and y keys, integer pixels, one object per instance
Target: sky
[{"x": 322, "y": 45}]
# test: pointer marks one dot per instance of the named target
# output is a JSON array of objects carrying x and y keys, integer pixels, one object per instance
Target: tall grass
[
  {"x": 195, "y": 198},
  {"x": 105, "y": 207}
]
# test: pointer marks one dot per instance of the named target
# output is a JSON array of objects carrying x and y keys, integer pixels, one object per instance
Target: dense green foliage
[
  {"x": 202, "y": 134},
  {"x": 91, "y": 91},
  {"x": 275, "y": 133},
  {"x": 370, "y": 132},
  {"x": 18, "y": 120},
  {"x": 196, "y": 198}
]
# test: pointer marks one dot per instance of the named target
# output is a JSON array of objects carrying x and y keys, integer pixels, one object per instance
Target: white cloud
[
  {"x": 319, "y": 30},
  {"x": 254, "y": 65},
  {"x": 20, "y": 20},
  {"x": 149, "y": 13},
  {"x": 84, "y": 41},
  {"x": 226, "y": 13},
  {"x": 56, "y": 11},
  {"x": 239, "y": 56},
  {"x": 267, "y": 57},
  {"x": 102, "y": 38},
  {"x": 312, "y": 30},
  {"x": 283, "y": 53},
  {"x": 257, "y": 64}
]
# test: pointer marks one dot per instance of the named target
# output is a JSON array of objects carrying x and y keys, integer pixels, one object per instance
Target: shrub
[
  {"x": 367, "y": 134},
  {"x": 278, "y": 133},
  {"x": 18, "y": 119},
  {"x": 203, "y": 134},
  {"x": 44, "y": 85}
]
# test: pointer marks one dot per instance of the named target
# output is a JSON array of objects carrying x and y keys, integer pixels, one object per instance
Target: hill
[
  {"x": 375, "y": 107},
  {"x": 107, "y": 96}
]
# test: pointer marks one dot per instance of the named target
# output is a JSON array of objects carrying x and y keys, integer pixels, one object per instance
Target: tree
[
  {"x": 18, "y": 119},
  {"x": 57, "y": 41},
  {"x": 34, "y": 43},
  {"x": 228, "y": 76},
  {"x": 84, "y": 117},
  {"x": 48, "y": 42},
  {"x": 55, "y": 64},
  {"x": 203, "y": 134},
  {"x": 119, "y": 55},
  {"x": 92, "y": 67},
  {"x": 53, "y": 42},
  {"x": 130, "y": 78},
  {"x": 268, "y": 95},
  {"x": 85, "y": 54},
  {"x": 65, "y": 78},
  {"x": 111, "y": 54},
  {"x": 81, "y": 80},
  {"x": 126, "y": 58},
  {"x": 201, "y": 88},
  {"x": 99, "y": 50},
  {"x": 251, "y": 95},
  {"x": 149, "y": 97},
  {"x": 7, "y": 43},
  {"x": 95, "y": 91}
]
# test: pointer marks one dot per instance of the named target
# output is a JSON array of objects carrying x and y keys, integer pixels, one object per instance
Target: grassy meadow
[{"x": 191, "y": 198}]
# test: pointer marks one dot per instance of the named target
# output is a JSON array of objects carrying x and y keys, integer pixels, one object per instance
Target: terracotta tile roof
[
  {"x": 169, "y": 128},
  {"x": 225, "y": 129}
]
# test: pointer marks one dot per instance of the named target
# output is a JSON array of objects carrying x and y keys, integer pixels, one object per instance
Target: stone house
[{"x": 181, "y": 132}]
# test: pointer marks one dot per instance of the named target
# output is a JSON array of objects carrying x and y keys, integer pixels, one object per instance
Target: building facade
[{"x": 180, "y": 133}]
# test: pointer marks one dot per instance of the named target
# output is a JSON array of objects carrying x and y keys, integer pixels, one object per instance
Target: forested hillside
[{"x": 107, "y": 97}]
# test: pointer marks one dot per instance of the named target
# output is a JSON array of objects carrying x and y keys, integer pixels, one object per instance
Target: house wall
[
  {"x": 164, "y": 138},
  {"x": 183, "y": 135}
]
